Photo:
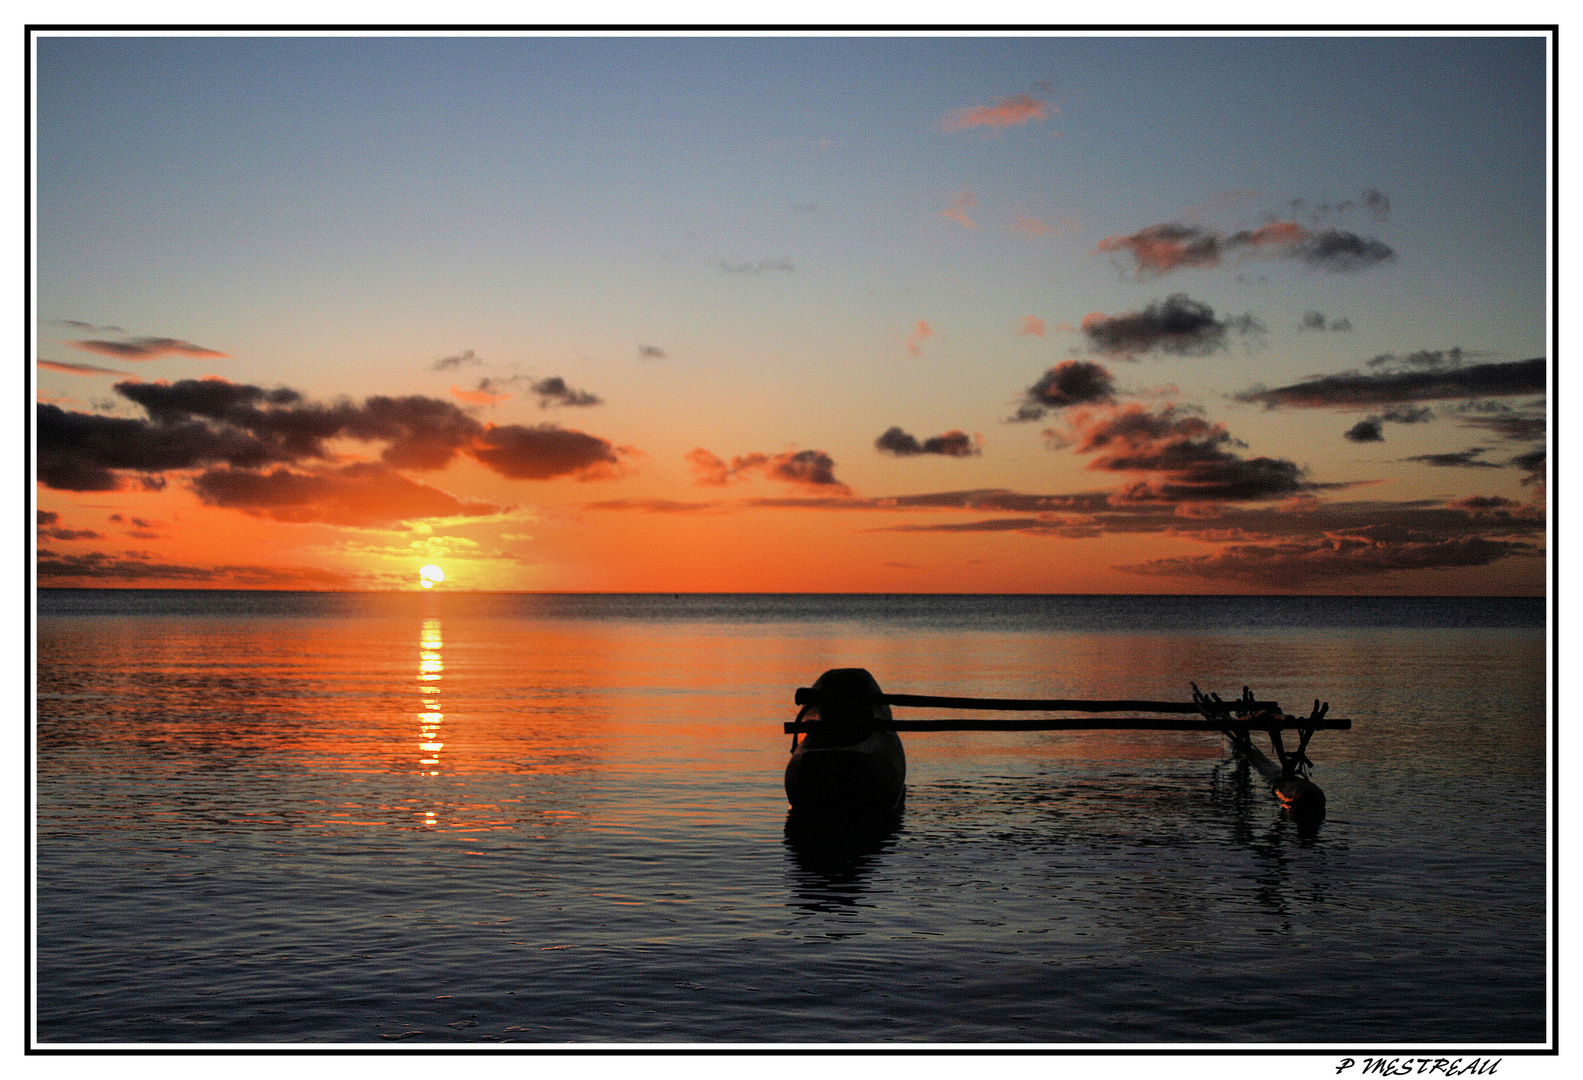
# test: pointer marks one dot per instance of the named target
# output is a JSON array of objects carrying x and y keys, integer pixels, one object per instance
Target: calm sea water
[{"x": 394, "y": 820}]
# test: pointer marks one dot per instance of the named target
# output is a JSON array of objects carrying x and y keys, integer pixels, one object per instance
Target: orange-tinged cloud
[
  {"x": 916, "y": 338},
  {"x": 478, "y": 397},
  {"x": 1008, "y": 112},
  {"x": 811, "y": 469},
  {"x": 1032, "y": 324},
  {"x": 960, "y": 205},
  {"x": 81, "y": 369}
]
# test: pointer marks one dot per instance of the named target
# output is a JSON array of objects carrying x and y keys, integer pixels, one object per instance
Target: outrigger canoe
[
  {"x": 854, "y": 768},
  {"x": 847, "y": 759}
]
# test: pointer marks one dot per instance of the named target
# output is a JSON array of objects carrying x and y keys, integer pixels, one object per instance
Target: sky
[{"x": 1041, "y": 313}]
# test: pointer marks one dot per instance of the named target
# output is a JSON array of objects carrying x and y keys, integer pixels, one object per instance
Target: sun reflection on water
[{"x": 430, "y": 712}]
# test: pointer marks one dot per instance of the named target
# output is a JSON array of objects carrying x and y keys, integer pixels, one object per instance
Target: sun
[{"x": 430, "y": 575}]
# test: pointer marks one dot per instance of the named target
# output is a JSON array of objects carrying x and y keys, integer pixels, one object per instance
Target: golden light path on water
[{"x": 430, "y": 713}]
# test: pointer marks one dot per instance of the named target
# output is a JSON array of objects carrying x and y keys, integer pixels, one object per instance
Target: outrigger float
[{"x": 847, "y": 760}]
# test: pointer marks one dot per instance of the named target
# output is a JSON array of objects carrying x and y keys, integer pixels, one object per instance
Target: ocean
[{"x": 401, "y": 820}]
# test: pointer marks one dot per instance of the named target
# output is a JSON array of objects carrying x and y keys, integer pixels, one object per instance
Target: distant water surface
[{"x": 397, "y": 819}]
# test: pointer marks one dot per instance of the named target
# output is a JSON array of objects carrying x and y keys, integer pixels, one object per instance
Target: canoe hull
[{"x": 854, "y": 772}]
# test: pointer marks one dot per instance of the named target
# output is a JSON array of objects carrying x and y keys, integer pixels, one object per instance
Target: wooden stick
[
  {"x": 807, "y": 695},
  {"x": 1130, "y": 723}
]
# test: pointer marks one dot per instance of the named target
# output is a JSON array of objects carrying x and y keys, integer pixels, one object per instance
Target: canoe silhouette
[{"x": 853, "y": 768}]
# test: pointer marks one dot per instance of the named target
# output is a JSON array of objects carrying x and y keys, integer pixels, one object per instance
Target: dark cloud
[
  {"x": 1188, "y": 459},
  {"x": 48, "y": 526},
  {"x": 804, "y": 468},
  {"x": 1160, "y": 249},
  {"x": 1524, "y": 423},
  {"x": 554, "y": 391},
  {"x": 1365, "y": 431},
  {"x": 1071, "y": 382},
  {"x": 951, "y": 444},
  {"x": 133, "y": 567},
  {"x": 813, "y": 468},
  {"x": 1533, "y": 464},
  {"x": 1370, "y": 429},
  {"x": 546, "y": 452},
  {"x": 1178, "y": 325},
  {"x": 1461, "y": 459},
  {"x": 1316, "y": 320},
  {"x": 1494, "y": 506},
  {"x": 761, "y": 266},
  {"x": 1365, "y": 551},
  {"x": 1338, "y": 250},
  {"x": 363, "y": 495},
  {"x": 651, "y": 352},
  {"x": 450, "y": 363},
  {"x": 1354, "y": 389},
  {"x": 205, "y": 423},
  {"x": 81, "y": 451},
  {"x": 147, "y": 348},
  {"x": 1422, "y": 360}
]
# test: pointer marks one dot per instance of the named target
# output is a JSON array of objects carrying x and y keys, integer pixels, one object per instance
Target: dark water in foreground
[{"x": 397, "y": 820}]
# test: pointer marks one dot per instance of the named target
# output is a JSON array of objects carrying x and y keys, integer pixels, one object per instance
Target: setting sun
[{"x": 430, "y": 575}]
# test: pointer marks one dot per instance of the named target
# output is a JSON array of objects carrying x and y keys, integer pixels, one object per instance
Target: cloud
[
  {"x": 1315, "y": 320},
  {"x": 960, "y": 205},
  {"x": 1370, "y": 430},
  {"x": 1168, "y": 246},
  {"x": 762, "y": 266},
  {"x": 1461, "y": 459},
  {"x": 196, "y": 423},
  {"x": 653, "y": 506},
  {"x": 916, "y": 339},
  {"x": 1032, "y": 324},
  {"x": 485, "y": 393},
  {"x": 651, "y": 352},
  {"x": 1336, "y": 250},
  {"x": 450, "y": 363},
  {"x": 1008, "y": 112},
  {"x": 361, "y": 495},
  {"x": 1364, "y": 551},
  {"x": 1494, "y": 506},
  {"x": 803, "y": 468},
  {"x": 546, "y": 452},
  {"x": 1159, "y": 249},
  {"x": 554, "y": 391},
  {"x": 1353, "y": 389},
  {"x": 1526, "y": 423},
  {"x": 1365, "y": 431},
  {"x": 1178, "y": 325},
  {"x": 80, "y": 369},
  {"x": 48, "y": 526},
  {"x": 88, "y": 328},
  {"x": 1186, "y": 458},
  {"x": 951, "y": 444},
  {"x": 147, "y": 348},
  {"x": 1071, "y": 382},
  {"x": 135, "y": 567},
  {"x": 1533, "y": 464}
]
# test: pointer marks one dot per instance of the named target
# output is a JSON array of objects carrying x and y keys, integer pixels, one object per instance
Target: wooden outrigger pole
[{"x": 846, "y": 756}]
